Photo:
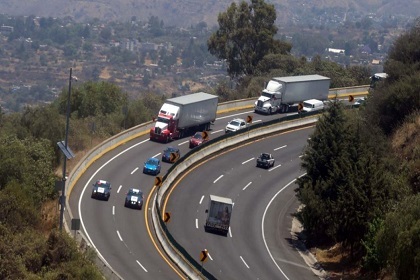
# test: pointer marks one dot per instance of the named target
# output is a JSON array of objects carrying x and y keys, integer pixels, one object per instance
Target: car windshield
[
  {"x": 266, "y": 94},
  {"x": 171, "y": 150},
  {"x": 235, "y": 123},
  {"x": 151, "y": 161},
  {"x": 102, "y": 185},
  {"x": 135, "y": 193},
  {"x": 163, "y": 120},
  {"x": 198, "y": 136},
  {"x": 265, "y": 156}
]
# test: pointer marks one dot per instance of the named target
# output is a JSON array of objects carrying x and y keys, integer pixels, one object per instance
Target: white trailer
[
  {"x": 189, "y": 112},
  {"x": 283, "y": 92}
]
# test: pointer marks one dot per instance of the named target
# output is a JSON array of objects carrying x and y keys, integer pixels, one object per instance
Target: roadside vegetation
[{"x": 362, "y": 183}]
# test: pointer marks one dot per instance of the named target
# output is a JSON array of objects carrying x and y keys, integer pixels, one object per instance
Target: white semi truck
[
  {"x": 218, "y": 215},
  {"x": 192, "y": 112},
  {"x": 283, "y": 92}
]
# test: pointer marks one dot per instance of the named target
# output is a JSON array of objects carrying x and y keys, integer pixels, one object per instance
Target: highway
[
  {"x": 258, "y": 245},
  {"x": 123, "y": 237}
]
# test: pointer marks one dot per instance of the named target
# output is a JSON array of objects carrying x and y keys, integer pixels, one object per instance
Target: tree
[
  {"x": 398, "y": 241},
  {"x": 245, "y": 35}
]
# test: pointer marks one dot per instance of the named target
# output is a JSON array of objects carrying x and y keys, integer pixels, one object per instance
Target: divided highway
[{"x": 123, "y": 237}]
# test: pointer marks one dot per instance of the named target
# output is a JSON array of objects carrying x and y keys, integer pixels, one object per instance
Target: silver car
[{"x": 235, "y": 125}]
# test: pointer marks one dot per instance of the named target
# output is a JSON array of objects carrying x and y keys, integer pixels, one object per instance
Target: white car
[{"x": 235, "y": 125}]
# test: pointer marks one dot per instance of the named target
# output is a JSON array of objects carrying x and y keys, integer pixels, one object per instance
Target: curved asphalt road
[
  {"x": 258, "y": 245},
  {"x": 122, "y": 236}
]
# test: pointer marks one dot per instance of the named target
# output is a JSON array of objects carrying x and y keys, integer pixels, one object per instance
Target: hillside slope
[{"x": 188, "y": 12}]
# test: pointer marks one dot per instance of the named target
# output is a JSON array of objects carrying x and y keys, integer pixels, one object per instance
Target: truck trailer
[
  {"x": 283, "y": 92},
  {"x": 188, "y": 113},
  {"x": 218, "y": 215}
]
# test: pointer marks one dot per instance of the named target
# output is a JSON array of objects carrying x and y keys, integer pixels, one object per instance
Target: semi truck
[
  {"x": 218, "y": 215},
  {"x": 183, "y": 114},
  {"x": 283, "y": 92}
]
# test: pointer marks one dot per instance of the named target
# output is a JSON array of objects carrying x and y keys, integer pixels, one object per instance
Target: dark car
[
  {"x": 265, "y": 160},
  {"x": 134, "y": 199},
  {"x": 101, "y": 190},
  {"x": 197, "y": 139},
  {"x": 171, "y": 154},
  {"x": 152, "y": 166}
]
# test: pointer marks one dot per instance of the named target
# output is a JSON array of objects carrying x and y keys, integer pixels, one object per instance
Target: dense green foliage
[
  {"x": 355, "y": 180},
  {"x": 28, "y": 160},
  {"x": 245, "y": 35}
]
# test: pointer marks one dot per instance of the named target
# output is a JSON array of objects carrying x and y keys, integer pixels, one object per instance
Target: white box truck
[
  {"x": 218, "y": 215},
  {"x": 192, "y": 112},
  {"x": 283, "y": 92}
]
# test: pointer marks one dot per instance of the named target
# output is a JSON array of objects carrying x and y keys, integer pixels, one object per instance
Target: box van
[{"x": 312, "y": 105}]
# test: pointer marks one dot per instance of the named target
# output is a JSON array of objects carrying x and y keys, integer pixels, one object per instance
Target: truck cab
[
  {"x": 166, "y": 125},
  {"x": 270, "y": 100}
]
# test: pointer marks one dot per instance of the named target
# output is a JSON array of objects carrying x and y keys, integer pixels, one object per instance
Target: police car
[
  {"x": 134, "y": 199},
  {"x": 101, "y": 190}
]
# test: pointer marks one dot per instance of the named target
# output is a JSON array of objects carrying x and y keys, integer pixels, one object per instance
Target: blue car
[
  {"x": 152, "y": 166},
  {"x": 171, "y": 154}
]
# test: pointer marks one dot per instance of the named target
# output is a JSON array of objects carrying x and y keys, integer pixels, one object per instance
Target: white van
[{"x": 312, "y": 105}]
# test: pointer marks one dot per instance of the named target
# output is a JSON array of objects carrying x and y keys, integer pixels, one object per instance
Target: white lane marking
[
  {"x": 119, "y": 189},
  {"x": 291, "y": 114},
  {"x": 230, "y": 232},
  {"x": 217, "y": 131},
  {"x": 157, "y": 155},
  {"x": 182, "y": 143},
  {"x": 218, "y": 179},
  {"x": 87, "y": 185},
  {"x": 271, "y": 169},
  {"x": 135, "y": 169},
  {"x": 119, "y": 235},
  {"x": 262, "y": 225},
  {"x": 300, "y": 156},
  {"x": 141, "y": 265},
  {"x": 208, "y": 254},
  {"x": 243, "y": 113},
  {"x": 196, "y": 223},
  {"x": 280, "y": 147},
  {"x": 244, "y": 188},
  {"x": 244, "y": 261},
  {"x": 201, "y": 200},
  {"x": 256, "y": 121},
  {"x": 248, "y": 160},
  {"x": 113, "y": 210}
]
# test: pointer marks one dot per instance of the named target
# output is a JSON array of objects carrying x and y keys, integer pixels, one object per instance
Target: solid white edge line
[
  {"x": 262, "y": 224},
  {"x": 87, "y": 185},
  {"x": 135, "y": 169},
  {"x": 280, "y": 147},
  {"x": 248, "y": 160},
  {"x": 119, "y": 235},
  {"x": 244, "y": 261},
  {"x": 141, "y": 265},
  {"x": 244, "y": 188},
  {"x": 218, "y": 179}
]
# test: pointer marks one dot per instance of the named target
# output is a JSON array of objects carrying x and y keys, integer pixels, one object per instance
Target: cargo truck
[
  {"x": 185, "y": 114},
  {"x": 283, "y": 92},
  {"x": 218, "y": 215}
]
